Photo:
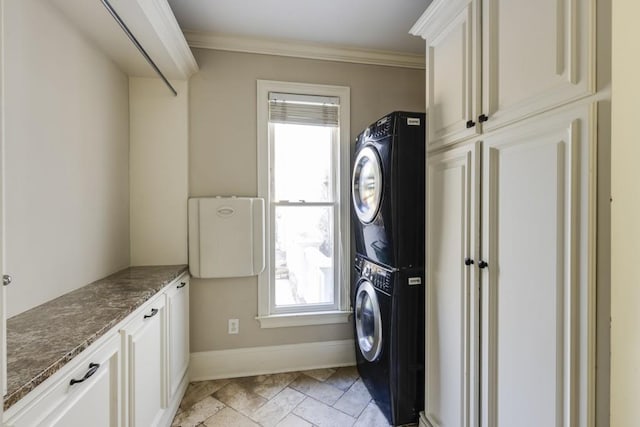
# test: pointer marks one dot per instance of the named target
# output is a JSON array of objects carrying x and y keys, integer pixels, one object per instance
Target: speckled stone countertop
[{"x": 42, "y": 340}]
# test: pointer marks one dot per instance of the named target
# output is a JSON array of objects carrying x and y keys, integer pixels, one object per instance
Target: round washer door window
[
  {"x": 366, "y": 184},
  {"x": 368, "y": 321}
]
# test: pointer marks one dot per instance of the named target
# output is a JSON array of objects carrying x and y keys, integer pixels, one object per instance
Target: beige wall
[
  {"x": 222, "y": 161},
  {"x": 625, "y": 213},
  {"x": 158, "y": 171},
  {"x": 67, "y": 154}
]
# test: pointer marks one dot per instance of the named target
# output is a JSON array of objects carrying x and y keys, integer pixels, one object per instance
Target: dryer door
[
  {"x": 368, "y": 321},
  {"x": 366, "y": 184}
]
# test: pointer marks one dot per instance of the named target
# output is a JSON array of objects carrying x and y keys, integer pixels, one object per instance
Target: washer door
[
  {"x": 368, "y": 321},
  {"x": 366, "y": 184}
]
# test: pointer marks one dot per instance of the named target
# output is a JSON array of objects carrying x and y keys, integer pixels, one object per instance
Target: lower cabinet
[
  {"x": 144, "y": 338},
  {"x": 133, "y": 376},
  {"x": 178, "y": 321},
  {"x": 83, "y": 393},
  {"x": 95, "y": 401}
]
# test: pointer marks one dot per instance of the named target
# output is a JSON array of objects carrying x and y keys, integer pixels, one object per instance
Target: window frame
[{"x": 340, "y": 312}]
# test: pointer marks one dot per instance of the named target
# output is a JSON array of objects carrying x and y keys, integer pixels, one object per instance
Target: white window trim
[{"x": 265, "y": 317}]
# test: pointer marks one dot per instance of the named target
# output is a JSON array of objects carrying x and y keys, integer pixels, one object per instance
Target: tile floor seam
[
  {"x": 354, "y": 416},
  {"x": 330, "y": 406}
]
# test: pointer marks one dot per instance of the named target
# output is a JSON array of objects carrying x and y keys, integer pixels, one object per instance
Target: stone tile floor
[{"x": 322, "y": 397}]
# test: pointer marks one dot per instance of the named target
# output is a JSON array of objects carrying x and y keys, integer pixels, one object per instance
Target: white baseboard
[
  {"x": 243, "y": 362},
  {"x": 174, "y": 403},
  {"x": 423, "y": 420}
]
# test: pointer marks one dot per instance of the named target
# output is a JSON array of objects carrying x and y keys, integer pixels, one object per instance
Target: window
[{"x": 303, "y": 175}]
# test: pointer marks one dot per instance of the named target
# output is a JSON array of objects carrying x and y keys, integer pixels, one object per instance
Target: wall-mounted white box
[{"x": 226, "y": 236}]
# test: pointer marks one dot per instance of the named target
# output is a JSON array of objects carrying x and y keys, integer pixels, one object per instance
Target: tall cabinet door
[
  {"x": 451, "y": 346},
  {"x": 536, "y": 285},
  {"x": 147, "y": 370},
  {"x": 535, "y": 56},
  {"x": 453, "y": 62},
  {"x": 178, "y": 329}
]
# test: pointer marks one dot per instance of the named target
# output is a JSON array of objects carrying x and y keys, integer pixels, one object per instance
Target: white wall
[
  {"x": 67, "y": 156},
  {"x": 223, "y": 161},
  {"x": 625, "y": 213},
  {"x": 158, "y": 167}
]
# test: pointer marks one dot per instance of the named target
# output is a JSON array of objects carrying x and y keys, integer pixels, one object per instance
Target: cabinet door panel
[
  {"x": 452, "y": 79},
  {"x": 535, "y": 56},
  {"x": 92, "y": 402},
  {"x": 95, "y": 406},
  {"x": 146, "y": 343},
  {"x": 535, "y": 286},
  {"x": 451, "y": 294},
  {"x": 178, "y": 306}
]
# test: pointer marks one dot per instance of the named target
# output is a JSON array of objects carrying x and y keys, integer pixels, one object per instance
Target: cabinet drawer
[{"x": 83, "y": 393}]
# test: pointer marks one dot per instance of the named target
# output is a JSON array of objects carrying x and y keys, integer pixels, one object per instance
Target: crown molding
[
  {"x": 303, "y": 50},
  {"x": 439, "y": 14}
]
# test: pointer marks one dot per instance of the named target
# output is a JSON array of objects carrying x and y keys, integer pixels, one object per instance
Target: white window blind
[{"x": 297, "y": 109}]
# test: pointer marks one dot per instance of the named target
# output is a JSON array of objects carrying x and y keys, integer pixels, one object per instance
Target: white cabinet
[
  {"x": 178, "y": 322},
  {"x": 536, "y": 55},
  {"x": 494, "y": 63},
  {"x": 134, "y": 375},
  {"x": 453, "y": 95},
  {"x": 452, "y": 294},
  {"x": 537, "y": 219},
  {"x": 145, "y": 340},
  {"x": 84, "y": 393},
  {"x": 509, "y": 289}
]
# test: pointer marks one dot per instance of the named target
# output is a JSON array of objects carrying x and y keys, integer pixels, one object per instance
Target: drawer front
[{"x": 83, "y": 393}]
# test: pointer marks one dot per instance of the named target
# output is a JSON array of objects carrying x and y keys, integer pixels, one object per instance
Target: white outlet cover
[{"x": 234, "y": 326}]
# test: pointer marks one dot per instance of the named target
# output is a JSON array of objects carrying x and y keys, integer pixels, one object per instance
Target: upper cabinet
[
  {"x": 152, "y": 24},
  {"x": 494, "y": 62}
]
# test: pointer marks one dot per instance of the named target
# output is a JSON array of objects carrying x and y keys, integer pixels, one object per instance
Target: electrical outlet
[{"x": 234, "y": 326}]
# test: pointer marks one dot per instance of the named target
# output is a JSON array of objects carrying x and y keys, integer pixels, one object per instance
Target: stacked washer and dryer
[{"x": 387, "y": 290}]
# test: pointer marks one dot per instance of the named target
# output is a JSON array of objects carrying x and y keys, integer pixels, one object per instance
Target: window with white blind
[{"x": 303, "y": 175}]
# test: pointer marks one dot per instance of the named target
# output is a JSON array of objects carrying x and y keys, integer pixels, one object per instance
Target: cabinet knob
[
  {"x": 483, "y": 264},
  {"x": 482, "y": 118},
  {"x": 468, "y": 262},
  {"x": 470, "y": 124},
  {"x": 181, "y": 285},
  {"x": 6, "y": 280}
]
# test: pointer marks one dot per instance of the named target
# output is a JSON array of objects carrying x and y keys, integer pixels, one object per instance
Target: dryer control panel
[{"x": 380, "y": 129}]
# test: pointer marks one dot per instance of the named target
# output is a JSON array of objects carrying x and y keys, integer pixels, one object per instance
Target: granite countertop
[{"x": 42, "y": 340}]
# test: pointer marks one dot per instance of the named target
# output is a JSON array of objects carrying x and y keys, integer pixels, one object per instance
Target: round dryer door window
[
  {"x": 366, "y": 185},
  {"x": 368, "y": 321}
]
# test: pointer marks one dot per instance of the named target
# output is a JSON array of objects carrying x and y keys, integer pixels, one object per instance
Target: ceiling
[{"x": 363, "y": 24}]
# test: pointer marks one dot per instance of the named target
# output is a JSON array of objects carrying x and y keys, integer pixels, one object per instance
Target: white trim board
[
  {"x": 243, "y": 362},
  {"x": 303, "y": 50}
]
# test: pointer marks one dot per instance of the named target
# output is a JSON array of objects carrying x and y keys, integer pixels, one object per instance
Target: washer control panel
[{"x": 379, "y": 277}]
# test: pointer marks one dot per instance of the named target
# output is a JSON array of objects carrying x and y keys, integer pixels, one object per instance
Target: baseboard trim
[
  {"x": 423, "y": 420},
  {"x": 243, "y": 362},
  {"x": 174, "y": 404}
]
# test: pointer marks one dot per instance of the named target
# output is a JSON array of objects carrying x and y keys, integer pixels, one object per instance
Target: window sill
[{"x": 304, "y": 319}]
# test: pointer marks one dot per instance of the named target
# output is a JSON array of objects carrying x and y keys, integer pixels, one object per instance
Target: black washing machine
[
  {"x": 387, "y": 190},
  {"x": 389, "y": 328}
]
